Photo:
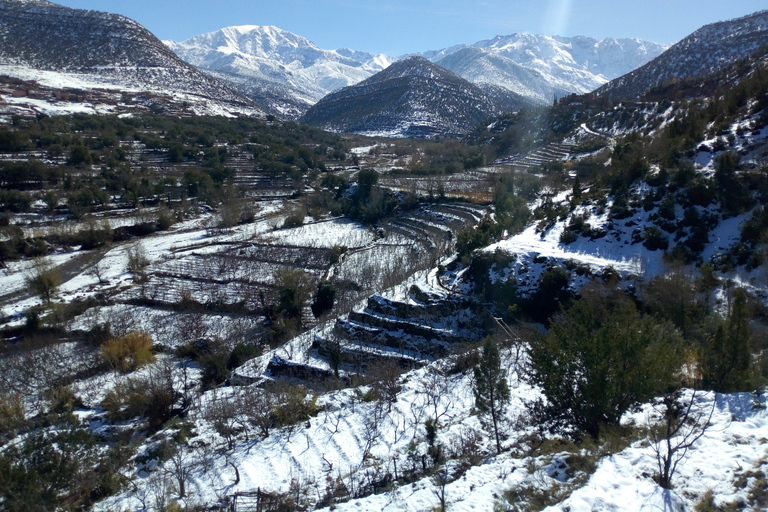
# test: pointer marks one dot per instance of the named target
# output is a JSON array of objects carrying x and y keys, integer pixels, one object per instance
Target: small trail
[{"x": 68, "y": 270}]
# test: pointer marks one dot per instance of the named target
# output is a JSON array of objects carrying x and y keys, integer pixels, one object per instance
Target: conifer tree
[
  {"x": 727, "y": 362},
  {"x": 491, "y": 390},
  {"x": 597, "y": 360}
]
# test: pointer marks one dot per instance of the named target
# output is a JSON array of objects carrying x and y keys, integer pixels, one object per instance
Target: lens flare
[{"x": 558, "y": 15}]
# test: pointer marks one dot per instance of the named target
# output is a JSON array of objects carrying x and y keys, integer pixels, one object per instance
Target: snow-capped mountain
[
  {"x": 709, "y": 49},
  {"x": 540, "y": 67},
  {"x": 62, "y": 47},
  {"x": 412, "y": 97},
  {"x": 287, "y": 73},
  {"x": 291, "y": 69}
]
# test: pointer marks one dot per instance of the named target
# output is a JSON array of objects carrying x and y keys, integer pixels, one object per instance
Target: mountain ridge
[
  {"x": 720, "y": 43},
  {"x": 266, "y": 58},
  {"x": 540, "y": 67}
]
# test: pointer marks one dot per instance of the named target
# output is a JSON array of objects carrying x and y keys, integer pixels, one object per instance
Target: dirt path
[{"x": 68, "y": 270}]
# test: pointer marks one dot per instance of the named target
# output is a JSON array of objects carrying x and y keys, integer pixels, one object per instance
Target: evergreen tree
[
  {"x": 599, "y": 359},
  {"x": 727, "y": 362},
  {"x": 491, "y": 390}
]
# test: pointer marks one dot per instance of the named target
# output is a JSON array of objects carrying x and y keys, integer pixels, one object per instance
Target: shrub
[
  {"x": 79, "y": 155},
  {"x": 151, "y": 396},
  {"x": 137, "y": 259},
  {"x": 324, "y": 298},
  {"x": 726, "y": 361},
  {"x": 336, "y": 252},
  {"x": 568, "y": 236},
  {"x": 128, "y": 352},
  {"x": 654, "y": 239},
  {"x": 293, "y": 221},
  {"x": 11, "y": 413},
  {"x": 293, "y": 405}
]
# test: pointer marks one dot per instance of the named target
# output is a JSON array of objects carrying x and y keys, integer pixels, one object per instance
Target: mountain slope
[
  {"x": 709, "y": 49},
  {"x": 101, "y": 49},
  {"x": 540, "y": 67},
  {"x": 293, "y": 71},
  {"x": 412, "y": 97}
]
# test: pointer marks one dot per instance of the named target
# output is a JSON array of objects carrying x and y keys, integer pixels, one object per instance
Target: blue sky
[{"x": 396, "y": 27}]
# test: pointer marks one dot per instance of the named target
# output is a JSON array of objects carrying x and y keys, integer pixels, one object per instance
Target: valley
[{"x": 435, "y": 296}]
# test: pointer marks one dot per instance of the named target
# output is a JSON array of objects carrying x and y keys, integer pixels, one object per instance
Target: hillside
[
  {"x": 564, "y": 310},
  {"x": 709, "y": 49},
  {"x": 59, "y": 47},
  {"x": 410, "y": 98}
]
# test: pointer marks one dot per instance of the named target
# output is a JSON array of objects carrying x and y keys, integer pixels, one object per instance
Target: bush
[
  {"x": 137, "y": 259},
  {"x": 293, "y": 405},
  {"x": 60, "y": 470},
  {"x": 293, "y": 221},
  {"x": 128, "y": 352},
  {"x": 151, "y": 396},
  {"x": 726, "y": 360},
  {"x": 654, "y": 239},
  {"x": 552, "y": 293},
  {"x": 11, "y": 413},
  {"x": 324, "y": 298},
  {"x": 80, "y": 155},
  {"x": 568, "y": 236}
]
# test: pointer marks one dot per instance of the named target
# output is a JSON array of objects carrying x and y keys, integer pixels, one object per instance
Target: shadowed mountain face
[
  {"x": 412, "y": 97},
  {"x": 709, "y": 49}
]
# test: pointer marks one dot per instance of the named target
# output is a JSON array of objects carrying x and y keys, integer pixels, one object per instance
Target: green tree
[
  {"x": 79, "y": 155},
  {"x": 727, "y": 361},
  {"x": 706, "y": 284},
  {"x": 597, "y": 360},
  {"x": 294, "y": 290},
  {"x": 324, "y": 298},
  {"x": 491, "y": 390}
]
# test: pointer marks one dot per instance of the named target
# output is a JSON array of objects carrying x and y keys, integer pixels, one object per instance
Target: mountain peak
[
  {"x": 283, "y": 72},
  {"x": 411, "y": 98},
  {"x": 415, "y": 66}
]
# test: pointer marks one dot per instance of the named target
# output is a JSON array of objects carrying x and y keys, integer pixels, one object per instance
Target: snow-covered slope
[
  {"x": 539, "y": 67},
  {"x": 291, "y": 67},
  {"x": 709, "y": 49},
  {"x": 101, "y": 50}
]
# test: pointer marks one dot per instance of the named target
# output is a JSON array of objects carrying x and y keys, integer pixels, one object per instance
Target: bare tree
[
  {"x": 222, "y": 412},
  {"x": 179, "y": 469},
  {"x": 681, "y": 427},
  {"x": 137, "y": 259},
  {"x": 44, "y": 279},
  {"x": 97, "y": 271},
  {"x": 437, "y": 393},
  {"x": 256, "y": 404},
  {"x": 441, "y": 480}
]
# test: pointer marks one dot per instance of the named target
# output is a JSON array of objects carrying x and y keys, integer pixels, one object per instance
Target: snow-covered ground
[{"x": 353, "y": 441}]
